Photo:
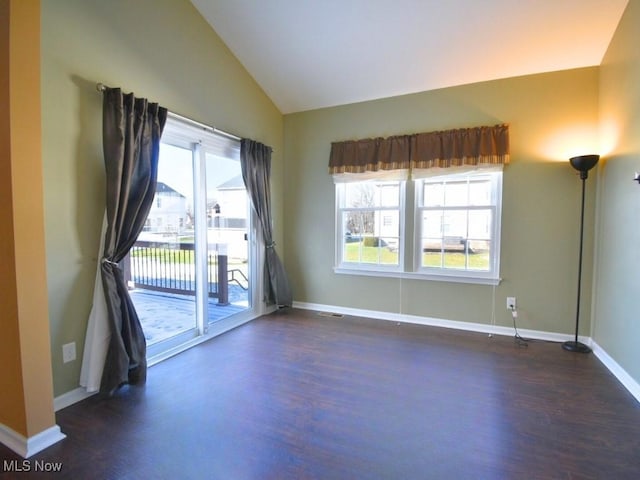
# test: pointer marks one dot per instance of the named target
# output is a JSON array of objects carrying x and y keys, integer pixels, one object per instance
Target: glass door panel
[
  {"x": 227, "y": 237},
  {"x": 162, "y": 262}
]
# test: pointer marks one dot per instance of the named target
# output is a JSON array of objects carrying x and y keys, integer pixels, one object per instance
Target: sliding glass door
[{"x": 190, "y": 271}]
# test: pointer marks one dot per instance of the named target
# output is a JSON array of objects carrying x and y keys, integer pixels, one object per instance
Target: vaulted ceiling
[{"x": 309, "y": 54}]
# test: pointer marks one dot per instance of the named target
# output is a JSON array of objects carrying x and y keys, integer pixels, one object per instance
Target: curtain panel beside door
[
  {"x": 115, "y": 347},
  {"x": 255, "y": 161}
]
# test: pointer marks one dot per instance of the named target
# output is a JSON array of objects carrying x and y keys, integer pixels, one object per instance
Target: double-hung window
[
  {"x": 370, "y": 225},
  {"x": 455, "y": 223},
  {"x": 457, "y": 226}
]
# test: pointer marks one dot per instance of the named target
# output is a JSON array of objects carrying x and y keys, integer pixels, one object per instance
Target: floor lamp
[{"x": 583, "y": 164}]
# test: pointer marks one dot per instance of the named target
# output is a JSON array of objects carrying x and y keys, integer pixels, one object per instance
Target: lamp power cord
[{"x": 520, "y": 341}]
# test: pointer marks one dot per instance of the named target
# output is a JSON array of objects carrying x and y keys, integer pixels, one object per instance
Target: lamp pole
[{"x": 583, "y": 164}]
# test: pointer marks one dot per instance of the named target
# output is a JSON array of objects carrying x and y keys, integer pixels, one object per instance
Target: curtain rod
[{"x": 101, "y": 87}]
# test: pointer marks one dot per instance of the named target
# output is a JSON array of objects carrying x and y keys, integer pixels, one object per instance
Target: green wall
[
  {"x": 617, "y": 290},
  {"x": 551, "y": 116},
  {"x": 162, "y": 50}
]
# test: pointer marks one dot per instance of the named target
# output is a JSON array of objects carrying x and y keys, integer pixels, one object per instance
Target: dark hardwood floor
[{"x": 295, "y": 395}]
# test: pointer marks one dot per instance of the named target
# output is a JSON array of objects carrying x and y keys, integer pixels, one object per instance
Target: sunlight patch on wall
[
  {"x": 573, "y": 140},
  {"x": 609, "y": 136}
]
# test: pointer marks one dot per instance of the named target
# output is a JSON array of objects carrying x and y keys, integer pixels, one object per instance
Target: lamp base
[{"x": 578, "y": 347}]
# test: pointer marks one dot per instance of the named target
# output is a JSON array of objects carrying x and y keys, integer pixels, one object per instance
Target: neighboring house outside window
[{"x": 167, "y": 211}]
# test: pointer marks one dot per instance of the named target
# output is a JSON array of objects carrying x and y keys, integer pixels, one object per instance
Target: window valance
[
  {"x": 421, "y": 154},
  {"x": 379, "y": 158}
]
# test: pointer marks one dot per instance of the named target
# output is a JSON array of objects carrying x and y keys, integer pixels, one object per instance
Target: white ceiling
[{"x": 309, "y": 54}]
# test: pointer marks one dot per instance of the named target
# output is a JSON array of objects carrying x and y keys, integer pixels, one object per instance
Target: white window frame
[
  {"x": 490, "y": 276},
  {"x": 411, "y": 248},
  {"x": 368, "y": 268}
]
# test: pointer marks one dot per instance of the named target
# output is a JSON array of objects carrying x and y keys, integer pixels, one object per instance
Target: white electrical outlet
[
  {"x": 511, "y": 303},
  {"x": 68, "y": 352}
]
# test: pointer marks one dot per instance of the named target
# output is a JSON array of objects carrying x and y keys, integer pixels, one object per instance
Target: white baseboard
[
  {"x": 619, "y": 372},
  {"x": 440, "y": 322},
  {"x": 627, "y": 381},
  {"x": 71, "y": 397},
  {"x": 26, "y": 447}
]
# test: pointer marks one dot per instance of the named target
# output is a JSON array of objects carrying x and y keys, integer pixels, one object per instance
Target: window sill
[{"x": 453, "y": 278}]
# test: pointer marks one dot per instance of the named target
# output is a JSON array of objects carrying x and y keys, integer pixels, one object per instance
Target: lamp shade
[{"x": 584, "y": 163}]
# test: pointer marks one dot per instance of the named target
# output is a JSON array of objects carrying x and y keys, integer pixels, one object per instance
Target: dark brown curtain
[
  {"x": 370, "y": 155},
  {"x": 463, "y": 147},
  {"x": 477, "y": 146},
  {"x": 255, "y": 161},
  {"x": 131, "y": 141}
]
